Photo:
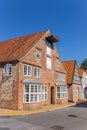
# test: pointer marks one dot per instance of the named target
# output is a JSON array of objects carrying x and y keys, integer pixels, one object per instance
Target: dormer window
[
  {"x": 49, "y": 47},
  {"x": 7, "y": 70}
]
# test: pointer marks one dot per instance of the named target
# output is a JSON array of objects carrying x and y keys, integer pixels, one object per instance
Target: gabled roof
[
  {"x": 16, "y": 48},
  {"x": 70, "y": 67},
  {"x": 80, "y": 72}
]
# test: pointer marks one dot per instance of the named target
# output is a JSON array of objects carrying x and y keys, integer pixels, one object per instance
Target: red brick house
[
  {"x": 73, "y": 80},
  {"x": 31, "y": 72}
]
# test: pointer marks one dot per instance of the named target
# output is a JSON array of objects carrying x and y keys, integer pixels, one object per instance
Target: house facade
[
  {"x": 75, "y": 92},
  {"x": 83, "y": 76},
  {"x": 31, "y": 72}
]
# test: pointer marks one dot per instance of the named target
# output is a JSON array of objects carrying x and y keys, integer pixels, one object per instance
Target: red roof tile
[
  {"x": 16, "y": 48},
  {"x": 70, "y": 67}
]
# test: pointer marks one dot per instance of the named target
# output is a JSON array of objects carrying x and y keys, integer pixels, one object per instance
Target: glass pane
[
  {"x": 58, "y": 89},
  {"x": 32, "y": 88},
  {"x": 29, "y": 70},
  {"x": 39, "y": 88},
  {"x": 26, "y": 88},
  {"x": 25, "y": 69},
  {"x": 26, "y": 97},
  {"x": 58, "y": 95},
  {"x": 43, "y": 89},
  {"x": 31, "y": 97},
  {"x": 35, "y": 71},
  {"x": 45, "y": 96},
  {"x": 35, "y": 88}
]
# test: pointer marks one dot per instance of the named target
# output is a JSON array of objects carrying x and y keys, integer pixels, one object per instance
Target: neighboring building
[
  {"x": 83, "y": 76},
  {"x": 73, "y": 81},
  {"x": 31, "y": 72}
]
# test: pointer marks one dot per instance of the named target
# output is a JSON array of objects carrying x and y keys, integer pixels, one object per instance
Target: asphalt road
[{"x": 72, "y": 118}]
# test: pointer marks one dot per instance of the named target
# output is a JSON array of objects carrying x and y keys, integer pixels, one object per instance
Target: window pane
[
  {"x": 57, "y": 63},
  {"x": 35, "y": 88},
  {"x": 38, "y": 56},
  {"x": 25, "y": 69},
  {"x": 58, "y": 95},
  {"x": 58, "y": 89},
  {"x": 39, "y": 88},
  {"x": 29, "y": 70},
  {"x": 26, "y": 88},
  {"x": 32, "y": 88},
  {"x": 49, "y": 48},
  {"x": 26, "y": 97},
  {"x": 35, "y": 72},
  {"x": 49, "y": 63},
  {"x": 43, "y": 89},
  {"x": 31, "y": 97}
]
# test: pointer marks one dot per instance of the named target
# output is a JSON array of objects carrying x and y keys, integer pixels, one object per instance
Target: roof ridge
[
  {"x": 69, "y": 61},
  {"x": 23, "y": 36}
]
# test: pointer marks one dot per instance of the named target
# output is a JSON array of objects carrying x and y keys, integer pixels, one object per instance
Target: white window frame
[
  {"x": 7, "y": 70},
  {"x": 49, "y": 48},
  {"x": 27, "y": 71},
  {"x": 37, "y": 73},
  {"x": 49, "y": 62},
  {"x": 38, "y": 95},
  {"x": 63, "y": 94},
  {"x": 38, "y": 53}
]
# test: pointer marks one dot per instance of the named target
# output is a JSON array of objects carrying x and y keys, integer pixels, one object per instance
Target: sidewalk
[{"x": 8, "y": 112}]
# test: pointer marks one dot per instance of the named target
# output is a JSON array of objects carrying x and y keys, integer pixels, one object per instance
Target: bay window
[{"x": 34, "y": 93}]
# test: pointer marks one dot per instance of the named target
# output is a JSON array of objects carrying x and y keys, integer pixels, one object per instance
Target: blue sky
[{"x": 66, "y": 18}]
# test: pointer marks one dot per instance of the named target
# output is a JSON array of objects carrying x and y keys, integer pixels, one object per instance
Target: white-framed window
[
  {"x": 49, "y": 63},
  {"x": 58, "y": 76},
  {"x": 37, "y": 72},
  {"x": 63, "y": 77},
  {"x": 49, "y": 47},
  {"x": 34, "y": 93},
  {"x": 57, "y": 63},
  {"x": 7, "y": 70},
  {"x": 27, "y": 70},
  {"x": 62, "y": 92},
  {"x": 38, "y": 55}
]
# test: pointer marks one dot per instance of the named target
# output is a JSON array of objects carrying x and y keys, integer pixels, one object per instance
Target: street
[{"x": 71, "y": 118}]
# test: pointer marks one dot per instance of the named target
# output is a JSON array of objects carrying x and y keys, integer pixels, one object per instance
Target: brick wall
[{"x": 8, "y": 88}]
